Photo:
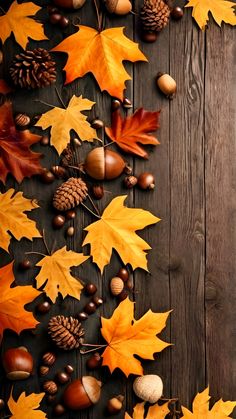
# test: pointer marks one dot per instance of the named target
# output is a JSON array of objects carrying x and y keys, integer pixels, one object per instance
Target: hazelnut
[
  {"x": 49, "y": 358},
  {"x": 50, "y": 387}
]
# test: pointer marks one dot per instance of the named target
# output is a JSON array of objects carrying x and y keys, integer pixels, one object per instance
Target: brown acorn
[
  {"x": 95, "y": 361},
  {"x": 82, "y": 393},
  {"x": 102, "y": 164},
  {"x": 115, "y": 405},
  {"x": 119, "y": 7},
  {"x": 50, "y": 387},
  {"x": 49, "y": 358},
  {"x": 146, "y": 181},
  {"x": 97, "y": 191},
  {"x": 69, "y": 4},
  {"x": 167, "y": 85},
  {"x": 18, "y": 363}
]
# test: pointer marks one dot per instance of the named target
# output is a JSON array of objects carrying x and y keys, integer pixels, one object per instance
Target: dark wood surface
[{"x": 193, "y": 258}]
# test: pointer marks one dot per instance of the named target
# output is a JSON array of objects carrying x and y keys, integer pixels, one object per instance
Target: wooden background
[{"x": 193, "y": 256}]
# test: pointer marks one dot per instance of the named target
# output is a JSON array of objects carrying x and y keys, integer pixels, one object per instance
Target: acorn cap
[
  {"x": 92, "y": 387},
  {"x": 111, "y": 5}
]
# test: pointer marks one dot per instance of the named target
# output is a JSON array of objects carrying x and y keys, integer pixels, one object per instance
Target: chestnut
[
  {"x": 102, "y": 164},
  {"x": 82, "y": 393},
  {"x": 18, "y": 363}
]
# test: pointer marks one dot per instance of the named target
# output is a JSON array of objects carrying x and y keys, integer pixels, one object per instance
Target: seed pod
[
  {"x": 82, "y": 393},
  {"x": 103, "y": 164},
  {"x": 148, "y": 387},
  {"x": 119, "y": 7},
  {"x": 167, "y": 85},
  {"x": 116, "y": 285}
]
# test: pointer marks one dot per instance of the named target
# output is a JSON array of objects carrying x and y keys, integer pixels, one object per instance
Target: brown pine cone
[
  {"x": 154, "y": 15},
  {"x": 33, "y": 69},
  {"x": 67, "y": 156},
  {"x": 66, "y": 332},
  {"x": 70, "y": 194}
]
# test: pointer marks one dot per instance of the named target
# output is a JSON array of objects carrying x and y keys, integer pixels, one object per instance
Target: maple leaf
[
  {"x": 116, "y": 230},
  {"x": 154, "y": 412},
  {"x": 220, "y": 410},
  {"x": 63, "y": 120},
  {"x": 102, "y": 54},
  {"x": 221, "y": 10},
  {"x": 127, "y": 337},
  {"x": 12, "y": 301},
  {"x": 26, "y": 406},
  {"x": 17, "y": 20},
  {"x": 15, "y": 156},
  {"x": 133, "y": 130},
  {"x": 13, "y": 220},
  {"x": 56, "y": 270}
]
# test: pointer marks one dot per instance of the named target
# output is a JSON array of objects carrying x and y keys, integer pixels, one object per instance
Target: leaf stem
[
  {"x": 111, "y": 142},
  {"x": 2, "y": 10},
  {"x": 94, "y": 346},
  {"x": 88, "y": 209},
  {"x": 45, "y": 103},
  {"x": 94, "y": 206},
  {"x": 59, "y": 97},
  {"x": 98, "y": 16},
  {"x": 45, "y": 243},
  {"x": 97, "y": 347},
  {"x": 35, "y": 253}
]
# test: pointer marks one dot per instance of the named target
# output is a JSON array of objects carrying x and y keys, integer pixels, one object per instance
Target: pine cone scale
[
  {"x": 70, "y": 194},
  {"x": 66, "y": 332},
  {"x": 154, "y": 15}
]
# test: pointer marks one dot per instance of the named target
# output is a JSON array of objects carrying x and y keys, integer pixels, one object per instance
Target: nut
[
  {"x": 148, "y": 387},
  {"x": 49, "y": 358},
  {"x": 116, "y": 285},
  {"x": 50, "y": 387}
]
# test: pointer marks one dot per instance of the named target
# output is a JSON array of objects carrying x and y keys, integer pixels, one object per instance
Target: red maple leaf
[
  {"x": 15, "y": 155},
  {"x": 133, "y": 130}
]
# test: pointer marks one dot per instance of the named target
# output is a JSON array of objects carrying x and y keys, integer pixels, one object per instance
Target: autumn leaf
[
  {"x": 220, "y": 410},
  {"x": 133, "y": 130},
  {"x": 116, "y": 230},
  {"x": 55, "y": 269},
  {"x": 154, "y": 412},
  {"x": 26, "y": 406},
  {"x": 12, "y": 218},
  {"x": 4, "y": 88},
  {"x": 221, "y": 10},
  {"x": 102, "y": 54},
  {"x": 15, "y": 155},
  {"x": 18, "y": 20},
  {"x": 63, "y": 120},
  {"x": 127, "y": 337},
  {"x": 12, "y": 301}
]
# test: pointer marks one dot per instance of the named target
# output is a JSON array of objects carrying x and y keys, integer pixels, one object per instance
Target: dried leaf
[
  {"x": 12, "y": 218},
  {"x": 55, "y": 269},
  {"x": 127, "y": 337},
  {"x": 221, "y": 10},
  {"x": 220, "y": 410},
  {"x": 12, "y": 301},
  {"x": 26, "y": 406},
  {"x": 15, "y": 155},
  {"x": 4, "y": 88},
  {"x": 154, "y": 412},
  {"x": 133, "y": 130},
  {"x": 17, "y": 20},
  {"x": 100, "y": 53},
  {"x": 116, "y": 230},
  {"x": 63, "y": 120}
]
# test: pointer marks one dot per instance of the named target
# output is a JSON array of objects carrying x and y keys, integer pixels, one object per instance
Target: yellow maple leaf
[
  {"x": 13, "y": 220},
  {"x": 12, "y": 301},
  {"x": 17, "y": 20},
  {"x": 221, "y": 10},
  {"x": 116, "y": 230},
  {"x": 126, "y": 336},
  {"x": 63, "y": 120},
  {"x": 55, "y": 269},
  {"x": 220, "y": 410},
  {"x": 154, "y": 412},
  {"x": 102, "y": 54},
  {"x": 26, "y": 406}
]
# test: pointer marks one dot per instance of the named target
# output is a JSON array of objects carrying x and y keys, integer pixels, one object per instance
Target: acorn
[
  {"x": 97, "y": 124},
  {"x": 119, "y": 7},
  {"x": 177, "y": 13},
  {"x": 149, "y": 36},
  {"x": 22, "y": 120},
  {"x": 97, "y": 191},
  {"x": 47, "y": 176},
  {"x": 25, "y": 264},
  {"x": 18, "y": 363},
  {"x": 49, "y": 358},
  {"x": 166, "y": 84},
  {"x": 50, "y": 387},
  {"x": 102, "y": 164},
  {"x": 82, "y": 393},
  {"x": 115, "y": 405},
  {"x": 146, "y": 181},
  {"x": 116, "y": 285},
  {"x": 130, "y": 181},
  {"x": 123, "y": 274},
  {"x": 148, "y": 387},
  {"x": 43, "y": 370},
  {"x": 58, "y": 221},
  {"x": 94, "y": 362},
  {"x": 69, "y": 4}
]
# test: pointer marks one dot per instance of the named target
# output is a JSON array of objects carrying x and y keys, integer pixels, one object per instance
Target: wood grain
[{"x": 192, "y": 262}]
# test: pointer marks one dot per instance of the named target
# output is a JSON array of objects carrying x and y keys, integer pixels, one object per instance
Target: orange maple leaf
[
  {"x": 127, "y": 337},
  {"x": 154, "y": 412},
  {"x": 17, "y": 20},
  {"x": 15, "y": 155},
  {"x": 102, "y": 54},
  {"x": 12, "y": 301},
  {"x": 134, "y": 129},
  {"x": 26, "y": 407}
]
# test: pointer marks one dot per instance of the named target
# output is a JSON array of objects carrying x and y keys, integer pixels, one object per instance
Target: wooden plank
[
  {"x": 187, "y": 201},
  {"x": 220, "y": 173}
]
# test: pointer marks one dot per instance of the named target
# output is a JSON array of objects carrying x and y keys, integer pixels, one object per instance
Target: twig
[
  {"x": 111, "y": 142},
  {"x": 94, "y": 206},
  {"x": 45, "y": 103},
  {"x": 2, "y": 10},
  {"x": 94, "y": 346},
  {"x": 35, "y": 253},
  {"x": 88, "y": 209},
  {"x": 45, "y": 243},
  {"x": 98, "y": 16},
  {"x": 92, "y": 350},
  {"x": 60, "y": 98}
]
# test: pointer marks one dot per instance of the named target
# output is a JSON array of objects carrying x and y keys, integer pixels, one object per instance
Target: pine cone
[
  {"x": 66, "y": 332},
  {"x": 67, "y": 156},
  {"x": 70, "y": 194},
  {"x": 154, "y": 15},
  {"x": 33, "y": 69}
]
